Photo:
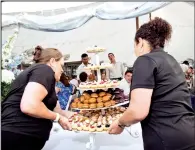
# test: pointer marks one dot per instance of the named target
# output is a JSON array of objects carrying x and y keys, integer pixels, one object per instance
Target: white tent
[{"x": 116, "y": 36}]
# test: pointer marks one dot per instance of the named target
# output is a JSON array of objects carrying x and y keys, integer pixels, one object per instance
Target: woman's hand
[
  {"x": 64, "y": 123},
  {"x": 114, "y": 128},
  {"x": 69, "y": 114}
]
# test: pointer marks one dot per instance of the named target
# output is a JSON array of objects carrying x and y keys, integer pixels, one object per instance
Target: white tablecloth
[{"x": 66, "y": 140}]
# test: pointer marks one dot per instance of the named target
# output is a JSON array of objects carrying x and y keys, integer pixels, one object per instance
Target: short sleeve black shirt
[
  {"x": 170, "y": 112},
  {"x": 13, "y": 119}
]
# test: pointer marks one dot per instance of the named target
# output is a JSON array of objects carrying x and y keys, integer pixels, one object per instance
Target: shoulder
[
  {"x": 42, "y": 68},
  {"x": 145, "y": 60}
]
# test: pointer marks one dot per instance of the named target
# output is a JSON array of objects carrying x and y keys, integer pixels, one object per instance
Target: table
[{"x": 67, "y": 140}]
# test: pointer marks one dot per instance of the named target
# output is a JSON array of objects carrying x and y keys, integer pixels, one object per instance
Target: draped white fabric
[{"x": 72, "y": 20}]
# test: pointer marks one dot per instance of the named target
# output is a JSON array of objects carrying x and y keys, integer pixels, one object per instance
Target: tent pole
[
  {"x": 137, "y": 23},
  {"x": 150, "y": 16}
]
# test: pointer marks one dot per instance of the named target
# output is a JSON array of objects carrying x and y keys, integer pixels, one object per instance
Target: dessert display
[
  {"x": 96, "y": 67},
  {"x": 99, "y": 85},
  {"x": 95, "y": 121},
  {"x": 95, "y": 49},
  {"x": 99, "y": 99}
]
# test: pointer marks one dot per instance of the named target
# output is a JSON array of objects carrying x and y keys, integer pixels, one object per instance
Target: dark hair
[
  {"x": 44, "y": 55},
  {"x": 84, "y": 55},
  {"x": 186, "y": 63},
  {"x": 156, "y": 32},
  {"x": 110, "y": 54},
  {"x": 74, "y": 76},
  {"x": 129, "y": 70},
  {"x": 64, "y": 78},
  {"x": 83, "y": 76}
]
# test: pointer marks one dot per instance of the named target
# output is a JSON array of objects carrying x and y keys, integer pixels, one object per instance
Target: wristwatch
[{"x": 57, "y": 117}]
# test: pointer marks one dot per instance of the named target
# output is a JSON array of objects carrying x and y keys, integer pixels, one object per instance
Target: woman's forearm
[
  {"x": 129, "y": 117},
  {"x": 39, "y": 111},
  {"x": 58, "y": 109}
]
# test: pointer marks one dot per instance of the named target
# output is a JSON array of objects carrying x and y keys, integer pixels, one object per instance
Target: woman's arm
[
  {"x": 31, "y": 103},
  {"x": 64, "y": 113},
  {"x": 139, "y": 107}
]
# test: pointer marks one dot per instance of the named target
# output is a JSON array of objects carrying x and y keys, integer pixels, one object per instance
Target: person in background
[
  {"x": 83, "y": 77},
  {"x": 85, "y": 63},
  {"x": 103, "y": 76},
  {"x": 117, "y": 71},
  {"x": 185, "y": 66},
  {"x": 31, "y": 106},
  {"x": 126, "y": 81},
  {"x": 74, "y": 81},
  {"x": 160, "y": 98},
  {"x": 64, "y": 90}
]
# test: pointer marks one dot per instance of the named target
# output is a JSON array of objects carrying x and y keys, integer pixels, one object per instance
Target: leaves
[{"x": 5, "y": 87}]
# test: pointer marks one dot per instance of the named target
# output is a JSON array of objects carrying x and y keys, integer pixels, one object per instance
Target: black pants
[{"x": 14, "y": 141}]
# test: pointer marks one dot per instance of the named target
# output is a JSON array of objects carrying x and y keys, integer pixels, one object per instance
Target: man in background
[
  {"x": 85, "y": 63},
  {"x": 126, "y": 82},
  {"x": 117, "y": 71}
]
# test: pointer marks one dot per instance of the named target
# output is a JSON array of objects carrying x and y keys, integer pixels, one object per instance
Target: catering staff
[
  {"x": 160, "y": 98},
  {"x": 117, "y": 71},
  {"x": 85, "y": 63}
]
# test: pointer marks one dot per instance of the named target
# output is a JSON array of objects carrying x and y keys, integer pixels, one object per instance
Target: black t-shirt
[
  {"x": 13, "y": 119},
  {"x": 171, "y": 116}
]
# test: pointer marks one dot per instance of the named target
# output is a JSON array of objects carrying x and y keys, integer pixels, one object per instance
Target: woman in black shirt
[
  {"x": 160, "y": 98},
  {"x": 31, "y": 106}
]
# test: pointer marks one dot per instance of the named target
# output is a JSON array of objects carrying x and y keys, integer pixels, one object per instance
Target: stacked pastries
[
  {"x": 95, "y": 120},
  {"x": 94, "y": 100}
]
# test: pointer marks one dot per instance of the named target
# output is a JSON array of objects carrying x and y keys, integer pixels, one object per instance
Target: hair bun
[
  {"x": 161, "y": 28},
  {"x": 37, "y": 53}
]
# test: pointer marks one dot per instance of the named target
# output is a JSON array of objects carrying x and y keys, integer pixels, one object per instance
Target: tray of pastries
[
  {"x": 95, "y": 121},
  {"x": 99, "y": 85},
  {"x": 97, "y": 100},
  {"x": 96, "y": 67},
  {"x": 95, "y": 49}
]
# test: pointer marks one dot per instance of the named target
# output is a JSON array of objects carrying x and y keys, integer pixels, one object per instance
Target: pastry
[
  {"x": 86, "y": 96},
  {"x": 85, "y": 106},
  {"x": 79, "y": 126},
  {"x": 92, "y": 100},
  {"x": 106, "y": 98},
  {"x": 101, "y": 94},
  {"x": 74, "y": 105},
  {"x": 80, "y": 105},
  {"x": 112, "y": 102},
  {"x": 76, "y": 100},
  {"x": 99, "y": 99},
  {"x": 82, "y": 98},
  {"x": 86, "y": 101},
  {"x": 100, "y": 105},
  {"x": 92, "y": 106},
  {"x": 92, "y": 128},
  {"x": 86, "y": 127},
  {"x": 99, "y": 128},
  {"x": 106, "y": 127},
  {"x": 94, "y": 95},
  {"x": 107, "y": 104},
  {"x": 108, "y": 94}
]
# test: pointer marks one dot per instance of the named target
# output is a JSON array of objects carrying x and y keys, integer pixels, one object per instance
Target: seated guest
[
  {"x": 126, "y": 81},
  {"x": 64, "y": 90},
  {"x": 103, "y": 75},
  {"x": 74, "y": 81},
  {"x": 83, "y": 77}
]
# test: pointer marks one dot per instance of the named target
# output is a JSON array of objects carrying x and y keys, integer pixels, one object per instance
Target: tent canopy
[
  {"x": 71, "y": 20},
  {"x": 115, "y": 35}
]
